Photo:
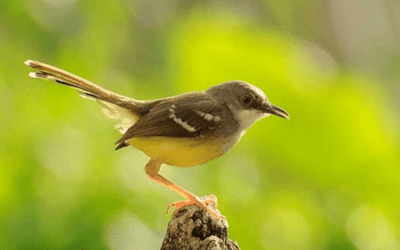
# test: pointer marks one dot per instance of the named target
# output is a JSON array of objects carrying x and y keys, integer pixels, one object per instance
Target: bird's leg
[{"x": 152, "y": 168}]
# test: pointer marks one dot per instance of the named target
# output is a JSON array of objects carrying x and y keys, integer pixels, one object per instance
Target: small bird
[{"x": 184, "y": 131}]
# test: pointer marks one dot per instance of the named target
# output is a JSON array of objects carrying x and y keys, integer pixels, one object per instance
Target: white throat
[{"x": 247, "y": 117}]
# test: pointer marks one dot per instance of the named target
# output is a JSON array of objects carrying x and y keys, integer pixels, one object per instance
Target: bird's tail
[{"x": 121, "y": 108}]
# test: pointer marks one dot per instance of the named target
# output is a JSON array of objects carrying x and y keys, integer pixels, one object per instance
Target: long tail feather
[
  {"x": 121, "y": 108},
  {"x": 61, "y": 76}
]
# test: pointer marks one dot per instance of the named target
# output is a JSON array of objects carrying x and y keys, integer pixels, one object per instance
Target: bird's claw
[{"x": 203, "y": 202}]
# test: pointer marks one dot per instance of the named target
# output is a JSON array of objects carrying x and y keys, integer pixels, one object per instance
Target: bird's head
[{"x": 246, "y": 102}]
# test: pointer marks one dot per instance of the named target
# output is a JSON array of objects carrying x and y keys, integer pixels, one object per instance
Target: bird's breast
[{"x": 180, "y": 152}]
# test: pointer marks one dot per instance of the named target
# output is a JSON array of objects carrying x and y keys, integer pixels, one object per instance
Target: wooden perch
[{"x": 191, "y": 227}]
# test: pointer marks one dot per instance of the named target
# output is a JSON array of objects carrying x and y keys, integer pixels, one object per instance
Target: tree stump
[{"x": 191, "y": 227}]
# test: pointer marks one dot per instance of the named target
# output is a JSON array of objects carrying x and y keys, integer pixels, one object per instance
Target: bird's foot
[{"x": 209, "y": 203}]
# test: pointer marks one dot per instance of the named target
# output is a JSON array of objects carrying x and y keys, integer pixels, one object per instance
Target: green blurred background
[{"x": 326, "y": 179}]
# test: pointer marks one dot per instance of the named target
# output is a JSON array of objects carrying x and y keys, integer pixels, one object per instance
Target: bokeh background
[{"x": 329, "y": 178}]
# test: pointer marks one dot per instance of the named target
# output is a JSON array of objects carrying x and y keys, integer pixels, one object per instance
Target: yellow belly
[{"x": 180, "y": 152}]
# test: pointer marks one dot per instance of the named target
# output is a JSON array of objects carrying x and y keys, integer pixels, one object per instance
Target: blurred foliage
[{"x": 326, "y": 179}]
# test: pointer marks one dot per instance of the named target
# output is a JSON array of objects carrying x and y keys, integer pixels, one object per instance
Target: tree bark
[{"x": 191, "y": 227}]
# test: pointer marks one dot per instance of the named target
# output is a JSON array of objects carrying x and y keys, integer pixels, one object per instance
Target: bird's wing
[{"x": 194, "y": 114}]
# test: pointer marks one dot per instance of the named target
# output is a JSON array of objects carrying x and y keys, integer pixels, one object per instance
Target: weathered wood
[{"x": 192, "y": 227}]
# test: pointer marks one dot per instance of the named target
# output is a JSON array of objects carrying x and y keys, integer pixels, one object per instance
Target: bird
[{"x": 184, "y": 131}]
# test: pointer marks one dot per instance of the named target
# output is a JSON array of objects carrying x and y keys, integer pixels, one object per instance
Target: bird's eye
[{"x": 246, "y": 100}]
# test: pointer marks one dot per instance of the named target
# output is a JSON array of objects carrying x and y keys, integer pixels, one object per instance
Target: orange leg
[{"x": 152, "y": 168}]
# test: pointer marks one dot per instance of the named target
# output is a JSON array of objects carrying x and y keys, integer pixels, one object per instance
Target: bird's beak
[{"x": 275, "y": 110}]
